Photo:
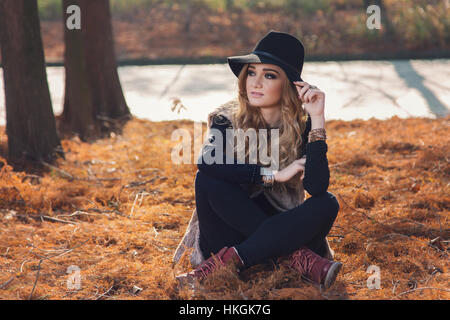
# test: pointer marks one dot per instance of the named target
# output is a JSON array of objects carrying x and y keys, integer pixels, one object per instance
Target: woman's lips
[{"x": 256, "y": 94}]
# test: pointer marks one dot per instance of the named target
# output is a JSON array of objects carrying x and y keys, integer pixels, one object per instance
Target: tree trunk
[
  {"x": 79, "y": 112},
  {"x": 30, "y": 122},
  {"x": 101, "y": 61},
  {"x": 90, "y": 55}
]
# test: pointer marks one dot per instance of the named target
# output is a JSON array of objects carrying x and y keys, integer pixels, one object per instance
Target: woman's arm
[
  {"x": 317, "y": 172},
  {"x": 232, "y": 172}
]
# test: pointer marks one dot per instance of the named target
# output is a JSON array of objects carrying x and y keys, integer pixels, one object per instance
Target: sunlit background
[{"x": 172, "y": 53}]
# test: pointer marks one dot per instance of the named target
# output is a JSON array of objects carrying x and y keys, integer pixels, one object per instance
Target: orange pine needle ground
[{"x": 391, "y": 178}]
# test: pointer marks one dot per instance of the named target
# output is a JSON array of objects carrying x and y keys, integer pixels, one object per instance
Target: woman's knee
[{"x": 331, "y": 203}]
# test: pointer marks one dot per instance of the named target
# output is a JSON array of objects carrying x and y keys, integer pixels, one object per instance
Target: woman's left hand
[{"x": 312, "y": 97}]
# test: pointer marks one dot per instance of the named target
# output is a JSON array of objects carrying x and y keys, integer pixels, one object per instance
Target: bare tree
[
  {"x": 79, "y": 112},
  {"x": 101, "y": 60},
  {"x": 93, "y": 52},
  {"x": 30, "y": 122}
]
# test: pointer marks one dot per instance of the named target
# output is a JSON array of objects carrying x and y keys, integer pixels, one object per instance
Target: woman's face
[{"x": 264, "y": 84}]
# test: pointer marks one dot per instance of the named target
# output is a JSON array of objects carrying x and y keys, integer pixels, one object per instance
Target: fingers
[
  {"x": 301, "y": 84},
  {"x": 302, "y": 91},
  {"x": 305, "y": 91},
  {"x": 309, "y": 96}
]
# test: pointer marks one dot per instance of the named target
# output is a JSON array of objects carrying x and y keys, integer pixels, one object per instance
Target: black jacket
[{"x": 317, "y": 174}]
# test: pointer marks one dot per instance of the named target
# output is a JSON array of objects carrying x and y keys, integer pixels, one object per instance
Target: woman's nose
[{"x": 258, "y": 82}]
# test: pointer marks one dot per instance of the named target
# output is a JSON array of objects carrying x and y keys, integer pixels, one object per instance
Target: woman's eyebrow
[{"x": 265, "y": 69}]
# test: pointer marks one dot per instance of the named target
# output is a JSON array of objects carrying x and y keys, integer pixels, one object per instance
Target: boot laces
[
  {"x": 209, "y": 267},
  {"x": 303, "y": 261}
]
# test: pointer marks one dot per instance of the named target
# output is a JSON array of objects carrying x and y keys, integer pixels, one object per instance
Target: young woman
[{"x": 246, "y": 213}]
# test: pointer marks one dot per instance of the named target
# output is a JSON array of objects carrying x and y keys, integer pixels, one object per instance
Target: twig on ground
[
  {"x": 424, "y": 288},
  {"x": 35, "y": 281},
  {"x": 71, "y": 177},
  {"x": 140, "y": 195},
  {"x": 107, "y": 211},
  {"x": 70, "y": 250},
  {"x": 156, "y": 232},
  {"x": 42, "y": 217},
  {"x": 356, "y": 229},
  {"x": 133, "y": 184},
  {"x": 5, "y": 284},
  {"x": 101, "y": 179},
  {"x": 104, "y": 294},
  {"x": 76, "y": 213},
  {"x": 396, "y": 283},
  {"x": 45, "y": 258},
  {"x": 25, "y": 261},
  {"x": 53, "y": 256},
  {"x": 57, "y": 220},
  {"x": 339, "y": 163},
  {"x": 134, "y": 203},
  {"x": 47, "y": 250},
  {"x": 115, "y": 284}
]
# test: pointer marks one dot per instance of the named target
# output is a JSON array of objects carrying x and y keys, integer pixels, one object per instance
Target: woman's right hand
[{"x": 291, "y": 170}]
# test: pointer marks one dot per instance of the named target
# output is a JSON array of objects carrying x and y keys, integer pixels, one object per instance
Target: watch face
[{"x": 265, "y": 171}]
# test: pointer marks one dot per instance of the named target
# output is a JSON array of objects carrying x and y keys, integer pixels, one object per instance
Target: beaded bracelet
[
  {"x": 268, "y": 178},
  {"x": 317, "y": 134}
]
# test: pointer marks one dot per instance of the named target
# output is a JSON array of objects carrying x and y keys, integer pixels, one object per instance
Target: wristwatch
[{"x": 268, "y": 177}]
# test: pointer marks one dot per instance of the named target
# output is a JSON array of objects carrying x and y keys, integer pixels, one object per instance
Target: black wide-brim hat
[{"x": 279, "y": 48}]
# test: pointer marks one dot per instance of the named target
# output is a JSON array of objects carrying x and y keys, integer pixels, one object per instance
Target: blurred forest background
[{"x": 160, "y": 31}]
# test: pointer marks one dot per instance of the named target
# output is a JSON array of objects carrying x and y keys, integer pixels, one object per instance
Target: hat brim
[{"x": 237, "y": 62}]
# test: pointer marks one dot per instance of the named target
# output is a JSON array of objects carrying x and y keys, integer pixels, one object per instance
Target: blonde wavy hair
[{"x": 292, "y": 125}]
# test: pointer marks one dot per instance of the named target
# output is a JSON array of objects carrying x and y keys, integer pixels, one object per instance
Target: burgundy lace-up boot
[
  {"x": 312, "y": 266},
  {"x": 223, "y": 257}
]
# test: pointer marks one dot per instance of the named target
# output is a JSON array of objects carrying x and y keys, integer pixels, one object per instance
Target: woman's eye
[{"x": 267, "y": 75}]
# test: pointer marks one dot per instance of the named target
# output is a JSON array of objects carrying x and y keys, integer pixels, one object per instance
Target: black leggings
[{"x": 229, "y": 217}]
